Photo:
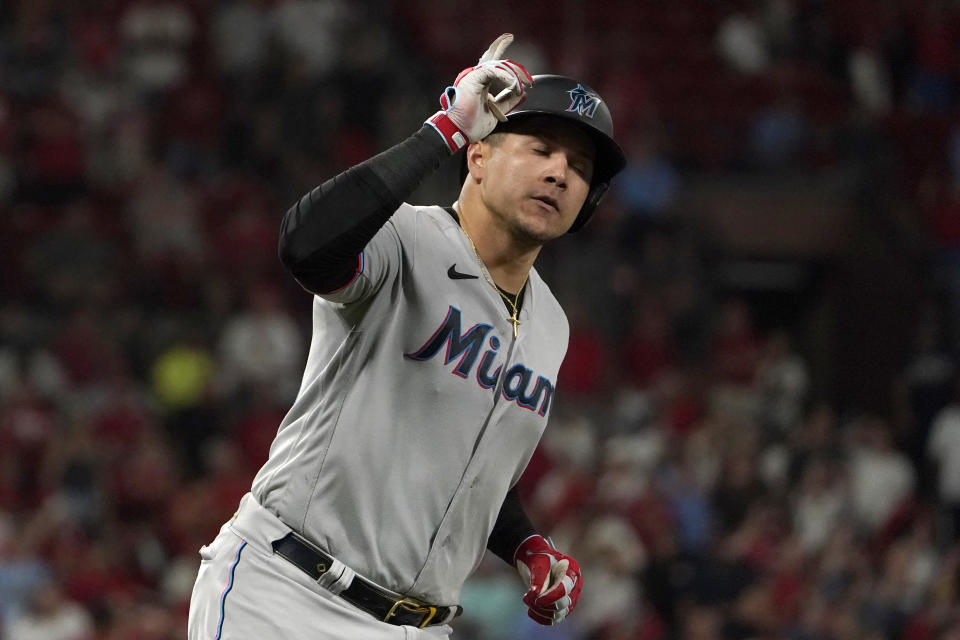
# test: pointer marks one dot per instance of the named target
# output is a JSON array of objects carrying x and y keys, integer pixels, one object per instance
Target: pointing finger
[{"x": 497, "y": 47}]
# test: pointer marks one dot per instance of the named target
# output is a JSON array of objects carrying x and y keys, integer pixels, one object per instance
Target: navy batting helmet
[{"x": 564, "y": 97}]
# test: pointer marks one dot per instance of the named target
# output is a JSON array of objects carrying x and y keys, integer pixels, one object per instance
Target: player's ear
[{"x": 477, "y": 153}]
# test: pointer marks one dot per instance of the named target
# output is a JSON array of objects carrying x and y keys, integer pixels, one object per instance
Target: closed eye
[{"x": 580, "y": 165}]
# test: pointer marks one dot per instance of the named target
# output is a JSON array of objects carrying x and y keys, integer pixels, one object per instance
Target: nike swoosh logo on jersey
[{"x": 456, "y": 275}]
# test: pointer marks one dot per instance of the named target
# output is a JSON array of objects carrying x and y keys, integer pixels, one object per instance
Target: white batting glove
[
  {"x": 480, "y": 97},
  {"x": 554, "y": 580}
]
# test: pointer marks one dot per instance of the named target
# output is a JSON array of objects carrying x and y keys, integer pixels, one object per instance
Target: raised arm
[{"x": 323, "y": 234}]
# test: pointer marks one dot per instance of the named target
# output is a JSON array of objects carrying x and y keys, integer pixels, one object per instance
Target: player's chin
[
  {"x": 541, "y": 227},
  {"x": 536, "y": 234}
]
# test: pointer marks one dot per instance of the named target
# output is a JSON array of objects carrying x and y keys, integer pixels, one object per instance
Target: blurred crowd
[{"x": 721, "y": 469}]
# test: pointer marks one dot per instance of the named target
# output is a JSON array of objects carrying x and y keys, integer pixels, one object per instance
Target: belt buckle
[{"x": 413, "y": 607}]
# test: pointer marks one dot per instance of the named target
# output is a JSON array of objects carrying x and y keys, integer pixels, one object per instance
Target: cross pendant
[{"x": 515, "y": 321}]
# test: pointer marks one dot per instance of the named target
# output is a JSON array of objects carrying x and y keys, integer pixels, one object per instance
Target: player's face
[{"x": 536, "y": 178}]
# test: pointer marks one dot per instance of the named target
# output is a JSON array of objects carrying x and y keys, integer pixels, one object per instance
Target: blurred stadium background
[{"x": 757, "y": 432}]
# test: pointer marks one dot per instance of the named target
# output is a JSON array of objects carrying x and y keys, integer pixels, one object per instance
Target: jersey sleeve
[
  {"x": 328, "y": 235},
  {"x": 377, "y": 264}
]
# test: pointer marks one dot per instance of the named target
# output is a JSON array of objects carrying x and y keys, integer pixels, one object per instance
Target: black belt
[{"x": 362, "y": 593}]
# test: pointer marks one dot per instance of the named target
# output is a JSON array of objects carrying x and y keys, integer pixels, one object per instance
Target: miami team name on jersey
[{"x": 467, "y": 346}]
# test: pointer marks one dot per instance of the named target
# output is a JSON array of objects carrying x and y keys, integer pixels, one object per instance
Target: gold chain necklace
[{"x": 514, "y": 318}]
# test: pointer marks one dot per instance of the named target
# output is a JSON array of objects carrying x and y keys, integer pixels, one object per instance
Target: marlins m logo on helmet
[{"x": 583, "y": 101}]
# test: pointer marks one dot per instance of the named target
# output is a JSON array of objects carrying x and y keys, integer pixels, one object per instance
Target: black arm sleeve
[
  {"x": 323, "y": 233},
  {"x": 511, "y": 528}
]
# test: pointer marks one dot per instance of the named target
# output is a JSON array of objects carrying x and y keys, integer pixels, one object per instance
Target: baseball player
[{"x": 429, "y": 380}]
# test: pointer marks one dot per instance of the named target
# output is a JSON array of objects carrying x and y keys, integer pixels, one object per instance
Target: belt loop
[
  {"x": 452, "y": 612},
  {"x": 337, "y": 577}
]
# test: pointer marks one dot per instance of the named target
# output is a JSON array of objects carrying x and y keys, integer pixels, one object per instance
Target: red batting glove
[
  {"x": 480, "y": 96},
  {"x": 554, "y": 580}
]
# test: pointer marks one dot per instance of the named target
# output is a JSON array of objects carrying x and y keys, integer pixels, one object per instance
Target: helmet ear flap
[{"x": 589, "y": 205}]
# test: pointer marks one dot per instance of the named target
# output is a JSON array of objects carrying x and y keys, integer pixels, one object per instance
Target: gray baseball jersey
[{"x": 417, "y": 412}]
